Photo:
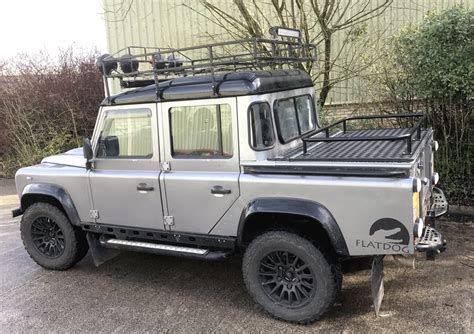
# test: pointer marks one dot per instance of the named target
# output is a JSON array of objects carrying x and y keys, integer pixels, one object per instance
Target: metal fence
[{"x": 170, "y": 23}]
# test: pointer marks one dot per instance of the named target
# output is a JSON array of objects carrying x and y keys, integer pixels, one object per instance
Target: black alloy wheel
[
  {"x": 287, "y": 279},
  {"x": 48, "y": 237}
]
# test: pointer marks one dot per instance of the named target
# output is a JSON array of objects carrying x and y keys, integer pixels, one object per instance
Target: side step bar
[{"x": 156, "y": 248}]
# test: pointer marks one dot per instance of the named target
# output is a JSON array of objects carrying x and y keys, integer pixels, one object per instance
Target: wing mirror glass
[{"x": 88, "y": 153}]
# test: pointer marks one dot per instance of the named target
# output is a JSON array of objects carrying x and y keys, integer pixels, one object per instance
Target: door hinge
[
  {"x": 168, "y": 221},
  {"x": 165, "y": 166},
  {"x": 94, "y": 214}
]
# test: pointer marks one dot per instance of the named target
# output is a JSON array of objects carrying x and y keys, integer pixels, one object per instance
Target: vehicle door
[
  {"x": 202, "y": 161},
  {"x": 125, "y": 179}
]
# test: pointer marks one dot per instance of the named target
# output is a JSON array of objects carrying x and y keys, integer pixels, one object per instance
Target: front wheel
[
  {"x": 50, "y": 239},
  {"x": 289, "y": 277}
]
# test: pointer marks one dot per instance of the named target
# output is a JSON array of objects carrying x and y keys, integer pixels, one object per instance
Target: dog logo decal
[{"x": 390, "y": 230}]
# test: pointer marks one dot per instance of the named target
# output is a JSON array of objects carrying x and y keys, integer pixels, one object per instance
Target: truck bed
[{"x": 359, "y": 151}]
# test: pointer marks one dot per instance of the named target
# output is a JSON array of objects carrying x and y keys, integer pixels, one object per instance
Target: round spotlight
[
  {"x": 128, "y": 64},
  {"x": 106, "y": 64},
  {"x": 160, "y": 62},
  {"x": 174, "y": 61}
]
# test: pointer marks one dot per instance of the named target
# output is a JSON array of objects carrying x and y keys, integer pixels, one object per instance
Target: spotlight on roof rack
[
  {"x": 128, "y": 64},
  {"x": 174, "y": 61},
  {"x": 106, "y": 63},
  {"x": 284, "y": 32},
  {"x": 160, "y": 62}
]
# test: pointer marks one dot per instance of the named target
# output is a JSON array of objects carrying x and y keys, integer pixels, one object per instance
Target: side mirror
[{"x": 88, "y": 153}]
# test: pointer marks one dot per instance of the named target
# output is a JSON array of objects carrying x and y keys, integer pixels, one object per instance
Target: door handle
[
  {"x": 219, "y": 190},
  {"x": 144, "y": 187}
]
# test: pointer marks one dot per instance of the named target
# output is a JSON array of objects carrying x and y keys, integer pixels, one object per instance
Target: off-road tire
[
  {"x": 326, "y": 276},
  {"x": 75, "y": 243}
]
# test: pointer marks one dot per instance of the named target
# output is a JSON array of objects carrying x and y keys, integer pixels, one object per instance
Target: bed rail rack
[{"x": 408, "y": 136}]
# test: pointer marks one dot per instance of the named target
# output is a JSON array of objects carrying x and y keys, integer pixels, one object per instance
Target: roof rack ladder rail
[
  {"x": 155, "y": 75},
  {"x": 106, "y": 81},
  {"x": 211, "y": 60}
]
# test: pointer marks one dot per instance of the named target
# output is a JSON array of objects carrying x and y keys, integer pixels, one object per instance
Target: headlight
[
  {"x": 435, "y": 145},
  {"x": 434, "y": 178}
]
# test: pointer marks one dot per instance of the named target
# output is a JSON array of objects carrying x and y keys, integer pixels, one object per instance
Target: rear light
[
  {"x": 416, "y": 199},
  {"x": 418, "y": 228},
  {"x": 416, "y": 185}
]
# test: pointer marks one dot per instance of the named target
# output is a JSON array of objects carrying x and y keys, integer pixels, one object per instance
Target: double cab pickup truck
[{"x": 215, "y": 150}]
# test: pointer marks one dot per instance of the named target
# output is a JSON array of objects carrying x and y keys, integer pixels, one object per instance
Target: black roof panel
[{"x": 226, "y": 84}]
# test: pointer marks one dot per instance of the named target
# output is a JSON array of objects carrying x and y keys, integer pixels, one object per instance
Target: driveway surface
[{"x": 144, "y": 293}]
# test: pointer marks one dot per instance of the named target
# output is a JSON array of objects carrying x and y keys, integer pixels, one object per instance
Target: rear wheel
[
  {"x": 289, "y": 277},
  {"x": 50, "y": 239}
]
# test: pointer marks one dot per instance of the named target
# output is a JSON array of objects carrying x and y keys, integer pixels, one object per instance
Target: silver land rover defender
[{"x": 216, "y": 150}]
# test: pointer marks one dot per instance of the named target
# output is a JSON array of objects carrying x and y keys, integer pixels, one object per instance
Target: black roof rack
[{"x": 137, "y": 66}]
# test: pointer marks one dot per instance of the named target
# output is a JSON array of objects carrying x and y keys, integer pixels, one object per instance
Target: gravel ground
[{"x": 144, "y": 293}]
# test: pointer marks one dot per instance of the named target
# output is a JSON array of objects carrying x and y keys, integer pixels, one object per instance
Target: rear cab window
[{"x": 294, "y": 117}]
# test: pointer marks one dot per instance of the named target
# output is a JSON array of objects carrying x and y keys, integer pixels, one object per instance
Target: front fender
[
  {"x": 314, "y": 210},
  {"x": 51, "y": 190}
]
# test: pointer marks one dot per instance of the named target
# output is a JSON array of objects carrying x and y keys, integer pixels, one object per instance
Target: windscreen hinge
[
  {"x": 168, "y": 222},
  {"x": 94, "y": 214},
  {"x": 165, "y": 166}
]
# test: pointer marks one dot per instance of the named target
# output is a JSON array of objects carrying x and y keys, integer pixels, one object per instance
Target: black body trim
[
  {"x": 170, "y": 237},
  {"x": 55, "y": 192},
  {"x": 203, "y": 86},
  {"x": 310, "y": 209},
  {"x": 325, "y": 171},
  {"x": 17, "y": 212}
]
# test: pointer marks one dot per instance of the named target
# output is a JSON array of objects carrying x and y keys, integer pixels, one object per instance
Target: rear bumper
[
  {"x": 432, "y": 242},
  {"x": 439, "y": 204}
]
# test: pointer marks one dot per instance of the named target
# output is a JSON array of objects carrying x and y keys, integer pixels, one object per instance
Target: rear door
[
  {"x": 125, "y": 179},
  {"x": 201, "y": 151}
]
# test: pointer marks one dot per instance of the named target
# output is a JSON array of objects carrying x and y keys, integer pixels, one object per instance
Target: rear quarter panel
[{"x": 356, "y": 204}]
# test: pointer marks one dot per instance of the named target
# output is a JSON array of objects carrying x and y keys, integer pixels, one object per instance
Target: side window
[
  {"x": 201, "y": 131},
  {"x": 261, "y": 126},
  {"x": 295, "y": 117},
  {"x": 126, "y": 134}
]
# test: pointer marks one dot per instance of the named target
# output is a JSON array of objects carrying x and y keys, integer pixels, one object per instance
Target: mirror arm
[{"x": 89, "y": 165}]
